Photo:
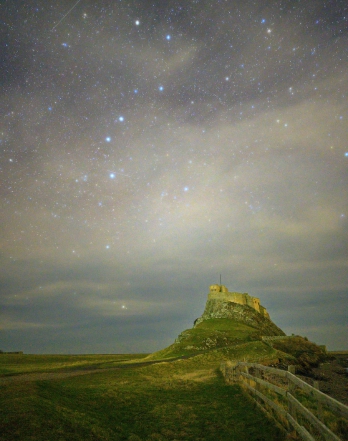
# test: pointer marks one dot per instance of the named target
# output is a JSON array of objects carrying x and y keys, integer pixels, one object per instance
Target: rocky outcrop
[{"x": 217, "y": 309}]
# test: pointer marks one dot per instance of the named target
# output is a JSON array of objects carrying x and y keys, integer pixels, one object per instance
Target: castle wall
[
  {"x": 264, "y": 312},
  {"x": 220, "y": 292},
  {"x": 235, "y": 297}
]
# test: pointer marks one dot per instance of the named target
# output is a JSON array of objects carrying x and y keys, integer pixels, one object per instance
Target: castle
[{"x": 220, "y": 292}]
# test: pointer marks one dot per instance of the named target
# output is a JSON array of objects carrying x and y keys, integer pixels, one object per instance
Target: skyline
[{"x": 147, "y": 148}]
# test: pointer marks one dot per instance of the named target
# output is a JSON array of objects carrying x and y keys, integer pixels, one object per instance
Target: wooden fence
[{"x": 291, "y": 402}]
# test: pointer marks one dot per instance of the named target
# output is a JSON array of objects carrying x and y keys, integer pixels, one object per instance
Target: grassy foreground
[
  {"x": 11, "y": 364},
  {"x": 180, "y": 400}
]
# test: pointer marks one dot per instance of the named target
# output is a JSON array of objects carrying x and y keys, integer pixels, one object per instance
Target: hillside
[
  {"x": 209, "y": 335},
  {"x": 222, "y": 309},
  {"x": 233, "y": 331}
]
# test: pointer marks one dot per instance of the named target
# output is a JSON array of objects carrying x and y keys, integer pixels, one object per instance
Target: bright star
[
  {"x": 112, "y": 175},
  {"x": 137, "y": 22},
  {"x": 121, "y": 118},
  {"x": 346, "y": 154},
  {"x": 108, "y": 139},
  {"x": 186, "y": 189},
  {"x": 107, "y": 247},
  {"x": 168, "y": 37},
  {"x": 161, "y": 88}
]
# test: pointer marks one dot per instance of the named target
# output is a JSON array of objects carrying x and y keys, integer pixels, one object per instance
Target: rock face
[{"x": 218, "y": 309}]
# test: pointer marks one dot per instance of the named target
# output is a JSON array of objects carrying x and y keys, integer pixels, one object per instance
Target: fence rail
[{"x": 280, "y": 393}]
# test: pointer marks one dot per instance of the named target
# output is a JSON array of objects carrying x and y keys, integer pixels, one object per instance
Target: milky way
[{"x": 148, "y": 147}]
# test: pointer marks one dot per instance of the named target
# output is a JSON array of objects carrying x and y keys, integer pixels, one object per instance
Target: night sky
[{"x": 148, "y": 147}]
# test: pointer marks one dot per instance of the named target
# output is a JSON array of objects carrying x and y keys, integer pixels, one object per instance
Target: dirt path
[
  {"x": 34, "y": 376},
  {"x": 44, "y": 376},
  {"x": 332, "y": 376}
]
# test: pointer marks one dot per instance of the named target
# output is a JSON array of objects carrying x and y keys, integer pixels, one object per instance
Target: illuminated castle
[{"x": 220, "y": 292}]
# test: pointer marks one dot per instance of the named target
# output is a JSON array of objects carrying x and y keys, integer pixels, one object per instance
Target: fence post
[
  {"x": 238, "y": 371},
  {"x": 292, "y": 369},
  {"x": 319, "y": 404},
  {"x": 291, "y": 389},
  {"x": 235, "y": 374}
]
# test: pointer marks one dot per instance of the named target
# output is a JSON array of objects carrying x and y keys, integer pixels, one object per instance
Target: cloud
[{"x": 237, "y": 167}]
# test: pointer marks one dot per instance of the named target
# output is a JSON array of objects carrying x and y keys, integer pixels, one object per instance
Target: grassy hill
[
  {"x": 214, "y": 340},
  {"x": 181, "y": 400},
  {"x": 208, "y": 335},
  {"x": 173, "y": 394}
]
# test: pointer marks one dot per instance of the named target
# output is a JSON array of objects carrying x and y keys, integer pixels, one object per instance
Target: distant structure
[{"x": 220, "y": 292}]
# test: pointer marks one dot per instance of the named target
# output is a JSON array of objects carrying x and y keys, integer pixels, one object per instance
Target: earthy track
[{"x": 34, "y": 376}]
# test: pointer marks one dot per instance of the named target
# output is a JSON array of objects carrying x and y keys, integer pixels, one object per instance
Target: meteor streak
[{"x": 78, "y": 1}]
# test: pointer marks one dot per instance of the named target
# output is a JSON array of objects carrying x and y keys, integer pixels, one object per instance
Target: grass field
[
  {"x": 11, "y": 364},
  {"x": 180, "y": 400}
]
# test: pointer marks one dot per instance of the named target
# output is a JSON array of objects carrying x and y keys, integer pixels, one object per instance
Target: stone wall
[{"x": 220, "y": 292}]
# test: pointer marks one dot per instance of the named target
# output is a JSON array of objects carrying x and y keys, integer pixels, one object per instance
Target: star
[{"x": 148, "y": 125}]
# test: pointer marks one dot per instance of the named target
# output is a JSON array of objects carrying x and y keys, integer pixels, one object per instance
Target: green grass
[
  {"x": 120, "y": 397},
  {"x": 18, "y": 364},
  {"x": 181, "y": 400},
  {"x": 209, "y": 334}
]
